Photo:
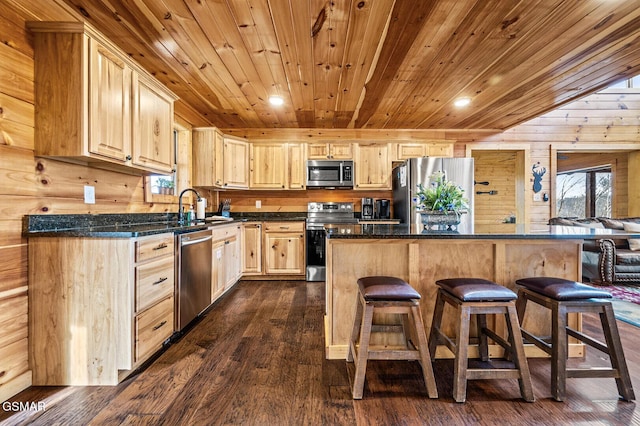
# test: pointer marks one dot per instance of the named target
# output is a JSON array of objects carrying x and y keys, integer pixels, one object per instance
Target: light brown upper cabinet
[
  {"x": 416, "y": 149},
  {"x": 268, "y": 166},
  {"x": 373, "y": 166},
  {"x": 278, "y": 165},
  {"x": 236, "y": 163},
  {"x": 334, "y": 151},
  {"x": 95, "y": 106},
  {"x": 219, "y": 161},
  {"x": 152, "y": 145}
]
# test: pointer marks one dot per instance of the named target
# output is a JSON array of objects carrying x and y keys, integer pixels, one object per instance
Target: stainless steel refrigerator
[{"x": 414, "y": 171}]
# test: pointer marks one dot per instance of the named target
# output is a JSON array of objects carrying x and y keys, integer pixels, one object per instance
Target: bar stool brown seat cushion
[
  {"x": 386, "y": 288},
  {"x": 476, "y": 289},
  {"x": 561, "y": 289}
]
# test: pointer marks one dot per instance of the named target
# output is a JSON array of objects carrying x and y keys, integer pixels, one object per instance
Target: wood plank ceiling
[{"x": 374, "y": 64}]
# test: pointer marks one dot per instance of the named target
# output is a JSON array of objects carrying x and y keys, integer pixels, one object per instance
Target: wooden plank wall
[{"x": 30, "y": 185}]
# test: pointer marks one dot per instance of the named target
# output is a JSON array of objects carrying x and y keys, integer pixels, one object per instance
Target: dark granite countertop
[
  {"x": 109, "y": 225},
  {"x": 404, "y": 231},
  {"x": 269, "y": 216}
]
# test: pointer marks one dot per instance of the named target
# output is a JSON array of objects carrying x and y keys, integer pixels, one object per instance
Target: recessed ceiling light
[
  {"x": 462, "y": 102},
  {"x": 276, "y": 100}
]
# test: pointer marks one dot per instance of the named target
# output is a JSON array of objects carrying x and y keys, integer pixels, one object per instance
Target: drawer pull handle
[
  {"x": 161, "y": 280},
  {"x": 284, "y": 227},
  {"x": 159, "y": 325},
  {"x": 161, "y": 246}
]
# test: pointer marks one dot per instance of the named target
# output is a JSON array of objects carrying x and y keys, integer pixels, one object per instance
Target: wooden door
[
  {"x": 251, "y": 248},
  {"x": 109, "y": 101},
  {"x": 284, "y": 253},
  {"x": 410, "y": 150},
  {"x": 218, "y": 270},
  {"x": 340, "y": 151},
  {"x": 373, "y": 167},
  {"x": 236, "y": 163},
  {"x": 153, "y": 146},
  {"x": 297, "y": 166},
  {"x": 268, "y": 166}
]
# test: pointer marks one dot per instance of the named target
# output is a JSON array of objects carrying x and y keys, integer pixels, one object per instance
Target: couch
[{"x": 606, "y": 261}]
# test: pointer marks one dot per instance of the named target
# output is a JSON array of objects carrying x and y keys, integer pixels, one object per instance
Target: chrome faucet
[{"x": 180, "y": 212}]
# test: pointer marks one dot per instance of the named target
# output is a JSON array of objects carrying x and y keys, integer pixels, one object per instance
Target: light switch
[
  {"x": 89, "y": 194},
  {"x": 258, "y": 204}
]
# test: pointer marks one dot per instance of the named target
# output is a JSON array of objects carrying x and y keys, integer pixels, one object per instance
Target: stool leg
[
  {"x": 355, "y": 332},
  {"x": 425, "y": 359},
  {"x": 559, "y": 352},
  {"x": 616, "y": 353},
  {"x": 517, "y": 354},
  {"x": 363, "y": 352},
  {"x": 434, "y": 333},
  {"x": 461, "y": 361},
  {"x": 483, "y": 344}
]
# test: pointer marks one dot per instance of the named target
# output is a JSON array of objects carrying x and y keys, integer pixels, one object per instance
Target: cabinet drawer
[
  {"x": 152, "y": 247},
  {"x": 153, "y": 327},
  {"x": 154, "y": 281},
  {"x": 284, "y": 226},
  {"x": 224, "y": 232}
]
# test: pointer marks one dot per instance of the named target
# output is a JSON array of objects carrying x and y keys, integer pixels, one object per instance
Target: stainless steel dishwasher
[{"x": 193, "y": 292}]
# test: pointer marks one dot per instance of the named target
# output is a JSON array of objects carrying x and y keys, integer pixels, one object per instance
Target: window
[{"x": 584, "y": 193}]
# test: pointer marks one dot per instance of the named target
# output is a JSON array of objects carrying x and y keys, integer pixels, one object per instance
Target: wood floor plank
[{"x": 257, "y": 357}]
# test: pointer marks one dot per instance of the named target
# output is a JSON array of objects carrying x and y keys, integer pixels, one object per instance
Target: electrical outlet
[
  {"x": 258, "y": 204},
  {"x": 89, "y": 194},
  {"x": 537, "y": 197}
]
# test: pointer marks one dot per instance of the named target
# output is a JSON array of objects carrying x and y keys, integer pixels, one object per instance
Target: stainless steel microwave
[{"x": 330, "y": 174}]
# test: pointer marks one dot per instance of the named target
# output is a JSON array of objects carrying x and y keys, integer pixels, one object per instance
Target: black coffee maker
[
  {"x": 367, "y": 208},
  {"x": 383, "y": 210}
]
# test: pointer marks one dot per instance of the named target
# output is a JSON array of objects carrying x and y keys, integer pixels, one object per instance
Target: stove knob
[
  {"x": 312, "y": 206},
  {"x": 349, "y": 231},
  {"x": 342, "y": 231}
]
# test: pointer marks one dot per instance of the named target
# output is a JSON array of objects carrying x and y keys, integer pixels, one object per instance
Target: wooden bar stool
[
  {"x": 480, "y": 297},
  {"x": 563, "y": 297},
  {"x": 388, "y": 295}
]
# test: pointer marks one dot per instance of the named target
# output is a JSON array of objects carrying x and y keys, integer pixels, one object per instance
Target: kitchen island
[{"x": 422, "y": 257}]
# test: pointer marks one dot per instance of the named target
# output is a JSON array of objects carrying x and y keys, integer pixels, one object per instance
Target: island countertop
[
  {"x": 422, "y": 258},
  {"x": 520, "y": 231}
]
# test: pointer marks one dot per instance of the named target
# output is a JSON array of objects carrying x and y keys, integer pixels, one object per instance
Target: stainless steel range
[{"x": 324, "y": 217}]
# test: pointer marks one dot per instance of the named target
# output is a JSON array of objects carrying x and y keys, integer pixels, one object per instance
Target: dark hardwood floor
[{"x": 257, "y": 358}]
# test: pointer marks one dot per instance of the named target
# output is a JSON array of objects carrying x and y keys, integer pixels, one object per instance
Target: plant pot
[{"x": 440, "y": 220}]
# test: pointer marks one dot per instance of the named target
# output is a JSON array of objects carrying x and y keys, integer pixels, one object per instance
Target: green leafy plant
[{"x": 441, "y": 195}]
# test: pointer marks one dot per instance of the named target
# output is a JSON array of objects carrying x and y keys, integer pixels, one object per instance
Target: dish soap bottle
[{"x": 191, "y": 216}]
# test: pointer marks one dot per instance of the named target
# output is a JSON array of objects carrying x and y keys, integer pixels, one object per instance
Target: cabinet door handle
[
  {"x": 161, "y": 246},
  {"x": 161, "y": 280},
  {"x": 128, "y": 158},
  {"x": 227, "y": 242},
  {"x": 159, "y": 325}
]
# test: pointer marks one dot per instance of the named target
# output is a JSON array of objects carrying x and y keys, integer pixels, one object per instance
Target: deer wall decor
[{"x": 538, "y": 172}]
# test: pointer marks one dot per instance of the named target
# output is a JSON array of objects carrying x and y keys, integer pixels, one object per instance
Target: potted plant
[
  {"x": 165, "y": 186},
  {"x": 441, "y": 203}
]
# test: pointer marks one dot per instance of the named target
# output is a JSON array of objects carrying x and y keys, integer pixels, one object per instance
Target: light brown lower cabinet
[
  {"x": 271, "y": 249},
  {"x": 252, "y": 248},
  {"x": 99, "y": 306},
  {"x": 226, "y": 269},
  {"x": 283, "y": 248}
]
